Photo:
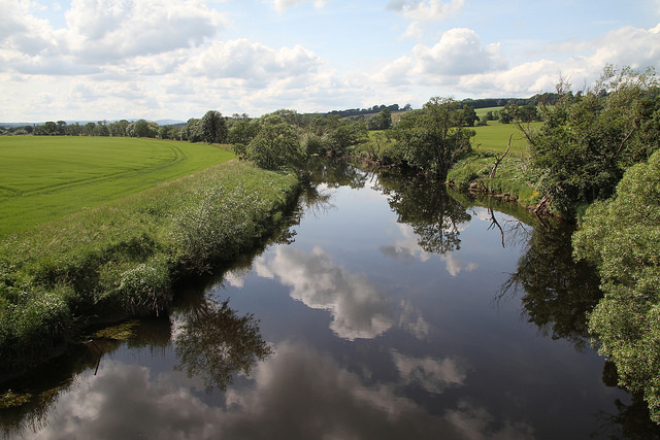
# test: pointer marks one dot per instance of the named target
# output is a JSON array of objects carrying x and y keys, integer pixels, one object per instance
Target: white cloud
[
  {"x": 283, "y": 5},
  {"x": 459, "y": 52},
  {"x": 255, "y": 63},
  {"x": 358, "y": 308},
  {"x": 427, "y": 10},
  {"x": 102, "y": 31}
]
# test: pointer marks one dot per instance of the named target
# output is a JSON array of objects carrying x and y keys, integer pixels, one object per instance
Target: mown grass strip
[
  {"x": 43, "y": 178},
  {"x": 120, "y": 259}
]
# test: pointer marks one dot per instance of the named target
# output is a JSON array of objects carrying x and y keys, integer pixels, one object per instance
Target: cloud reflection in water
[
  {"x": 297, "y": 394},
  {"x": 358, "y": 308}
]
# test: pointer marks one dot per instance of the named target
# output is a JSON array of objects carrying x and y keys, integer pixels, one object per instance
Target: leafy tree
[
  {"x": 242, "y": 131},
  {"x": 102, "y": 129},
  {"x": 276, "y": 146},
  {"x": 435, "y": 138},
  {"x": 50, "y": 128},
  {"x": 469, "y": 116},
  {"x": 88, "y": 129},
  {"x": 61, "y": 128},
  {"x": 380, "y": 121},
  {"x": 214, "y": 128},
  {"x": 73, "y": 129},
  {"x": 118, "y": 128},
  {"x": 193, "y": 130},
  {"x": 588, "y": 141},
  {"x": 142, "y": 128},
  {"x": 166, "y": 132},
  {"x": 622, "y": 237}
]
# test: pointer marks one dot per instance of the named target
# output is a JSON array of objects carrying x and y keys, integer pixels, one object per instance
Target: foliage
[
  {"x": 213, "y": 128},
  {"x": 435, "y": 138},
  {"x": 380, "y": 121},
  {"x": 588, "y": 140},
  {"x": 241, "y": 132},
  {"x": 276, "y": 146},
  {"x": 622, "y": 237}
]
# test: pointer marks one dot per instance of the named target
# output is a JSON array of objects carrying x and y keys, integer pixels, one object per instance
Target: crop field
[{"x": 46, "y": 178}]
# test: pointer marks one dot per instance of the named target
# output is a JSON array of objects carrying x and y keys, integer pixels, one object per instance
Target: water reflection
[
  {"x": 359, "y": 309},
  {"x": 557, "y": 292},
  {"x": 214, "y": 343},
  {"x": 434, "y": 216},
  {"x": 296, "y": 394}
]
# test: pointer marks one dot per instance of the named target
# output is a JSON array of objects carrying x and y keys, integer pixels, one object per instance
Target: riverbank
[
  {"x": 513, "y": 179},
  {"x": 121, "y": 259}
]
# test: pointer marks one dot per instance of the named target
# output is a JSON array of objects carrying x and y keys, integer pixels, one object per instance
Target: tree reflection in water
[
  {"x": 213, "y": 342},
  {"x": 424, "y": 204},
  {"x": 558, "y": 292}
]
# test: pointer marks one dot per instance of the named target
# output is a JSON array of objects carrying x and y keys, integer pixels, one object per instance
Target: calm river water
[{"x": 388, "y": 310}]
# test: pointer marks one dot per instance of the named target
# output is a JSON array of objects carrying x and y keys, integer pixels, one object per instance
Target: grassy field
[
  {"x": 494, "y": 138},
  {"x": 49, "y": 177}
]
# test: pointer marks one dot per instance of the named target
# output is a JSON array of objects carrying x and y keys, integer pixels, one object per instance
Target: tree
[
  {"x": 88, "y": 129},
  {"x": 621, "y": 236},
  {"x": 73, "y": 129},
  {"x": 61, "y": 128},
  {"x": 118, "y": 128},
  {"x": 587, "y": 141},
  {"x": 435, "y": 139},
  {"x": 214, "y": 128},
  {"x": 276, "y": 146},
  {"x": 102, "y": 129},
  {"x": 193, "y": 130},
  {"x": 469, "y": 116},
  {"x": 242, "y": 131},
  {"x": 380, "y": 121}
]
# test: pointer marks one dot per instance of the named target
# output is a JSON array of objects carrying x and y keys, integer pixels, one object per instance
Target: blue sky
[{"x": 166, "y": 59}]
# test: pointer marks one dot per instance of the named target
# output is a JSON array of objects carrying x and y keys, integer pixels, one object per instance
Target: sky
[{"x": 176, "y": 59}]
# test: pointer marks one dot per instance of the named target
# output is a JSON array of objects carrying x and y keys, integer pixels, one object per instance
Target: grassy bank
[
  {"x": 48, "y": 177},
  {"x": 120, "y": 259},
  {"x": 513, "y": 179}
]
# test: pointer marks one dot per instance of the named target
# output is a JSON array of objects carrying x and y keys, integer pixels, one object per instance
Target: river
[{"x": 389, "y": 309}]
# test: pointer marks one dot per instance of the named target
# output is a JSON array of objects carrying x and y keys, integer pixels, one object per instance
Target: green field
[
  {"x": 494, "y": 138},
  {"x": 46, "y": 178},
  {"x": 482, "y": 111}
]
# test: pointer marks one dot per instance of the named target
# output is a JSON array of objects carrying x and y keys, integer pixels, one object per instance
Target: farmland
[{"x": 47, "y": 178}]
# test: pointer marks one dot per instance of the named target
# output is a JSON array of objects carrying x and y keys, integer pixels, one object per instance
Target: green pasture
[
  {"x": 494, "y": 138},
  {"x": 46, "y": 178},
  {"x": 482, "y": 111}
]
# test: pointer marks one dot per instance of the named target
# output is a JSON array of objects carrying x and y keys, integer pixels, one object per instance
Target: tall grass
[{"x": 121, "y": 259}]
